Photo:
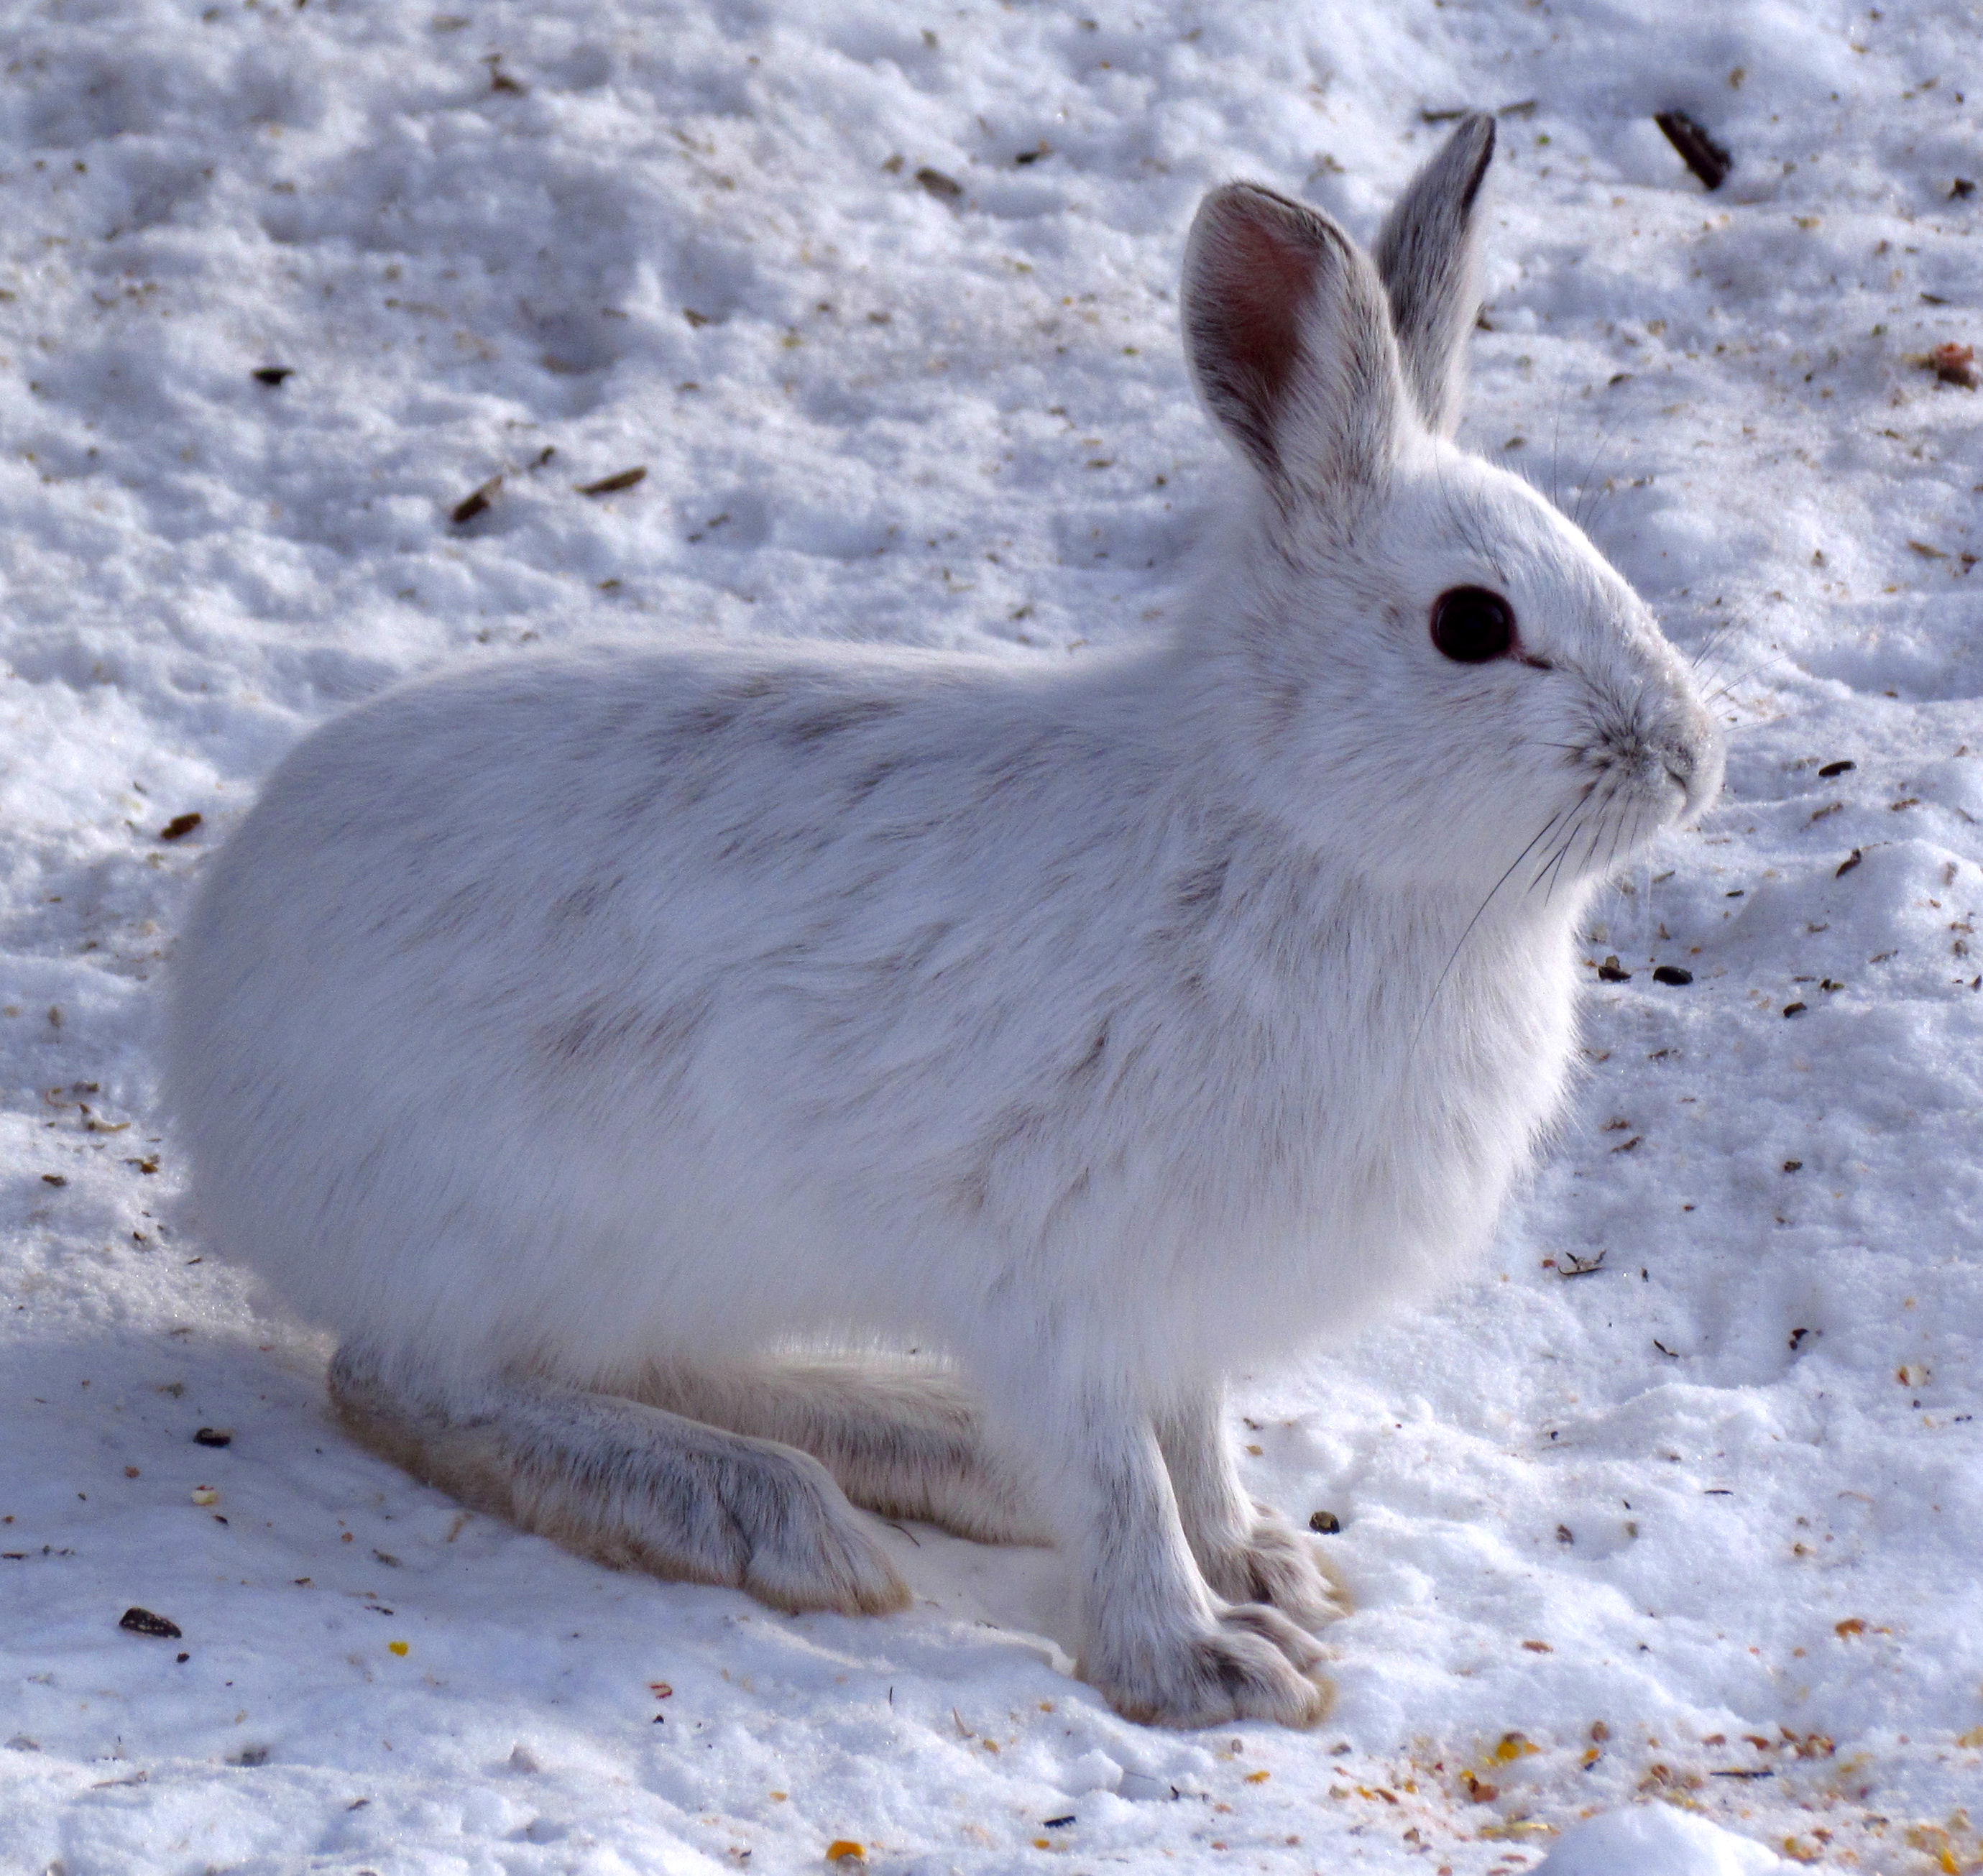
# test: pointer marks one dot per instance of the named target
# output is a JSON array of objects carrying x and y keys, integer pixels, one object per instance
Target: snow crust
[{"x": 1680, "y": 1501}]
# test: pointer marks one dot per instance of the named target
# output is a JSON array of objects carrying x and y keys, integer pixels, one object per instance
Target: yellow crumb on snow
[{"x": 397, "y": 1647}]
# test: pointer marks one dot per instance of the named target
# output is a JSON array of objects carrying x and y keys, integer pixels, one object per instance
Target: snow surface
[
  {"x": 1700, "y": 1524},
  {"x": 1656, "y": 1840}
]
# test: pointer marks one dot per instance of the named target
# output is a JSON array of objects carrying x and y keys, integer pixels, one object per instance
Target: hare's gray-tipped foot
[
  {"x": 1284, "y": 1568},
  {"x": 905, "y": 1442},
  {"x": 634, "y": 1487},
  {"x": 1251, "y": 1662}
]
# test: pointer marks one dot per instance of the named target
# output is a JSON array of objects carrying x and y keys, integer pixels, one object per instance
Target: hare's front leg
[
  {"x": 1155, "y": 1640},
  {"x": 630, "y": 1485},
  {"x": 1248, "y": 1552}
]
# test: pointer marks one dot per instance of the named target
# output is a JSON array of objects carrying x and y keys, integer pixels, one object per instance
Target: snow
[
  {"x": 1697, "y": 1525},
  {"x": 1655, "y": 1840}
]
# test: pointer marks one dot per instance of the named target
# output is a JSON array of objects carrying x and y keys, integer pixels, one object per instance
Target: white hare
[{"x": 625, "y": 1050}]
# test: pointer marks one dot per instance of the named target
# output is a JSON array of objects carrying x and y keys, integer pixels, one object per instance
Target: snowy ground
[{"x": 882, "y": 298}]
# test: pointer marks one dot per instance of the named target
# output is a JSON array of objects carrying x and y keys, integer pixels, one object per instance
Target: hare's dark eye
[{"x": 1471, "y": 625}]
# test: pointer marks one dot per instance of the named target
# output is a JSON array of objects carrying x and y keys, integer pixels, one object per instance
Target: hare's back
[{"x": 580, "y": 945}]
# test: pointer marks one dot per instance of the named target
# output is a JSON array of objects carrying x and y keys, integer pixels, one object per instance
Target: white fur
[{"x": 573, "y": 1032}]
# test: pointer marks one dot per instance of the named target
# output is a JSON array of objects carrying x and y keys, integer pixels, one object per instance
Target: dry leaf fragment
[
  {"x": 179, "y": 826},
  {"x": 613, "y": 484},
  {"x": 465, "y": 510},
  {"x": 1956, "y": 364},
  {"x": 939, "y": 184},
  {"x": 1700, "y": 151}
]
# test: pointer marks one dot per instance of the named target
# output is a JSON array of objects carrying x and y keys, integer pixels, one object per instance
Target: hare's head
[{"x": 1444, "y": 682}]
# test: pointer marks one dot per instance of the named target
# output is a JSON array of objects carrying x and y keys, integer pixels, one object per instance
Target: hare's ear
[
  {"x": 1429, "y": 253},
  {"x": 1290, "y": 342}
]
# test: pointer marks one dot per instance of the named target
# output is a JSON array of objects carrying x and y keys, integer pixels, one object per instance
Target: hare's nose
[{"x": 1692, "y": 763}]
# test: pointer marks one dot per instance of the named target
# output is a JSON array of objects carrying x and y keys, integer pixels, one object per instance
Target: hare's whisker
[{"x": 1459, "y": 943}]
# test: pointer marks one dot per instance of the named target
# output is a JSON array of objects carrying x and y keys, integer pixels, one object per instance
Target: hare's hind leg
[
  {"x": 1248, "y": 1552},
  {"x": 629, "y": 1485},
  {"x": 904, "y": 1441}
]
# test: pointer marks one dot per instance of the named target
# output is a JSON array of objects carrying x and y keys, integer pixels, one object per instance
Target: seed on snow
[{"x": 143, "y": 1622}]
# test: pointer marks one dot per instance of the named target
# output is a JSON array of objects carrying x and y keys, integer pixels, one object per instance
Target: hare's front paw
[
  {"x": 1251, "y": 1663},
  {"x": 1283, "y": 1567}
]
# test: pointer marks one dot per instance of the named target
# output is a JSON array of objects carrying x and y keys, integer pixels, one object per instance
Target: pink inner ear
[{"x": 1265, "y": 279}]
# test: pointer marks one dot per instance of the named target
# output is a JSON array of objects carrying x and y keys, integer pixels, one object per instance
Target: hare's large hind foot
[
  {"x": 633, "y": 1487},
  {"x": 904, "y": 1441}
]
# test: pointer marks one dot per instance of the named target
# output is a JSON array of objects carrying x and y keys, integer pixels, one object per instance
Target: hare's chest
[{"x": 1384, "y": 1113}]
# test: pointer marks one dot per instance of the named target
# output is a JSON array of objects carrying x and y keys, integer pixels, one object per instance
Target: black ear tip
[{"x": 1476, "y": 135}]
